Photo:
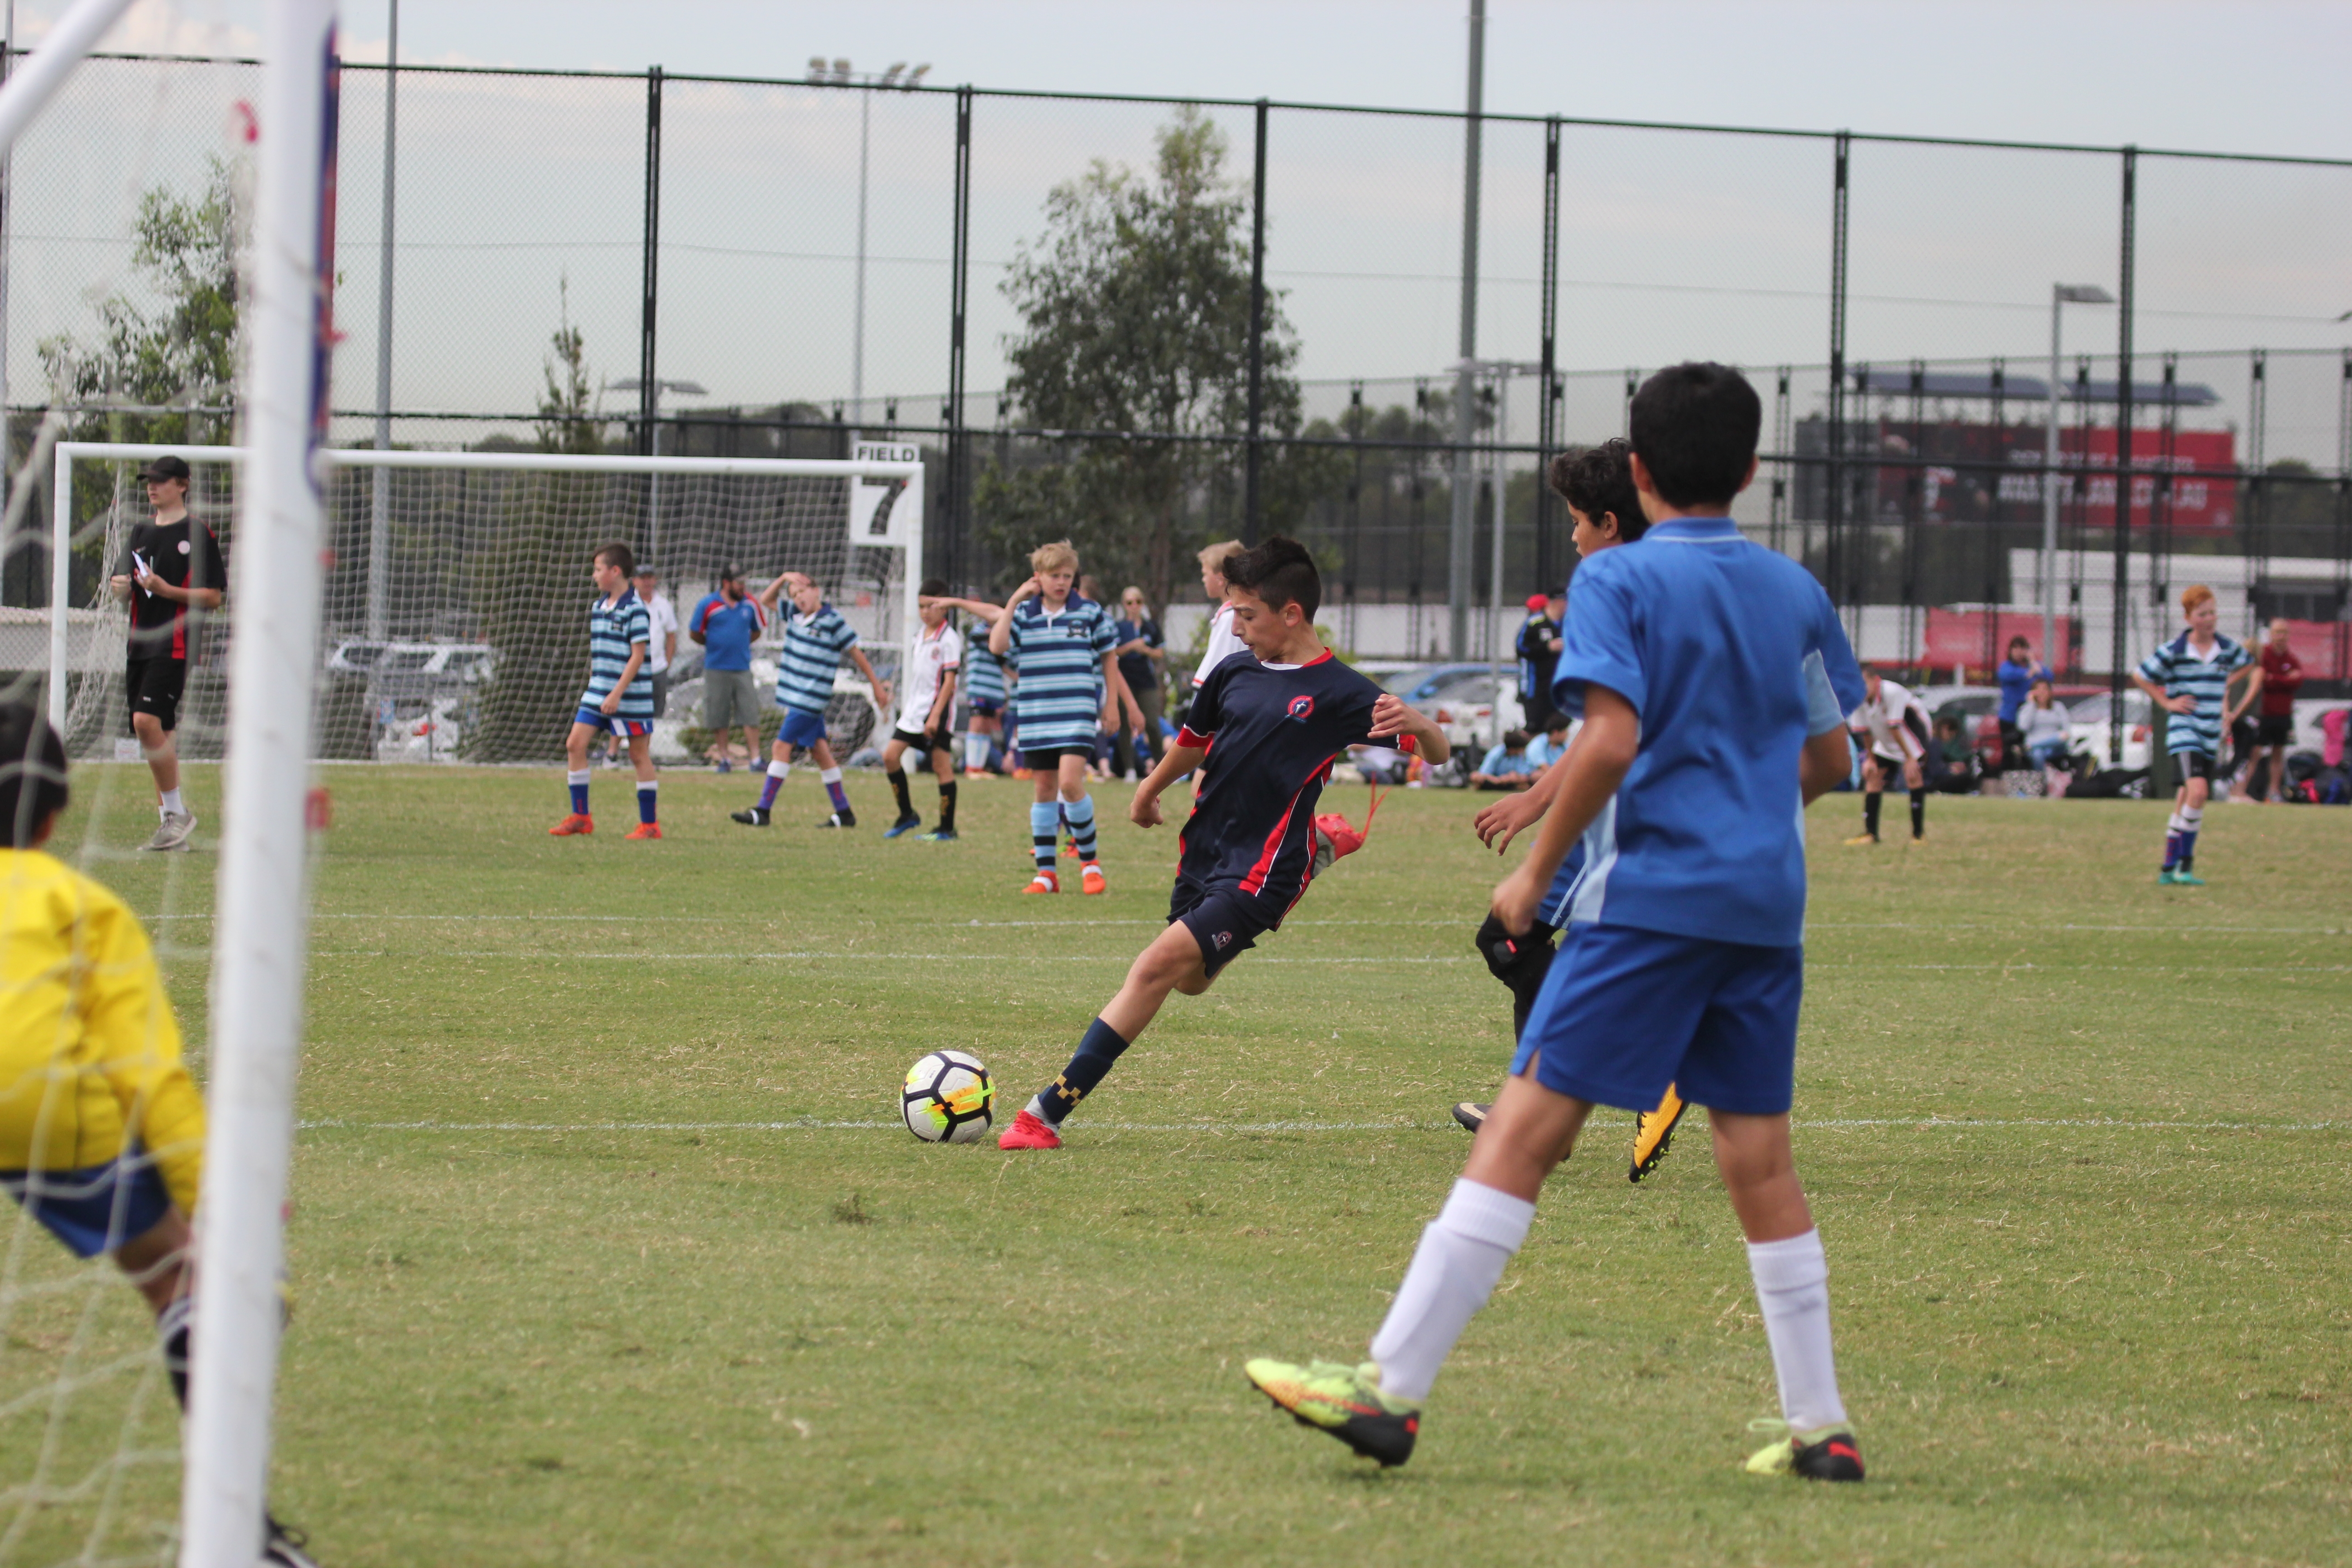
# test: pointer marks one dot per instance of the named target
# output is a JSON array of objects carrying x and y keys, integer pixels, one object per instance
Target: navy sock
[
  {"x": 649, "y": 800},
  {"x": 1870, "y": 813},
  {"x": 1918, "y": 812},
  {"x": 579, "y": 782},
  {"x": 1097, "y": 1052}
]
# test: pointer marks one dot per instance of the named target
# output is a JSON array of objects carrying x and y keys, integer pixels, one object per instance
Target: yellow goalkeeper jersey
[{"x": 89, "y": 1053}]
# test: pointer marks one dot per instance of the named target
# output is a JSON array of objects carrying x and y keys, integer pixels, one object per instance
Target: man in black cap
[{"x": 171, "y": 565}]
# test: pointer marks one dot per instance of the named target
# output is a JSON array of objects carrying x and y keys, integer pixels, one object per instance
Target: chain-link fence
[{"x": 1148, "y": 325}]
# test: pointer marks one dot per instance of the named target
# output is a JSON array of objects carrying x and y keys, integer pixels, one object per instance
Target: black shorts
[
  {"x": 1223, "y": 920},
  {"x": 153, "y": 685},
  {"x": 2195, "y": 765},
  {"x": 1046, "y": 759},
  {"x": 925, "y": 740},
  {"x": 2276, "y": 730}
]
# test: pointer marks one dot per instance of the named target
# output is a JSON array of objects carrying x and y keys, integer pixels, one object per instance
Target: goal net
[{"x": 454, "y": 614}]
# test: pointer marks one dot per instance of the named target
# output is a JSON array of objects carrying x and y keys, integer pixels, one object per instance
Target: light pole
[
  {"x": 652, "y": 486},
  {"x": 379, "y": 599},
  {"x": 837, "y": 73},
  {"x": 2061, "y": 294}
]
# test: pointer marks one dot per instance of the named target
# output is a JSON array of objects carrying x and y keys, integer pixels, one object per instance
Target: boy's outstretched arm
[
  {"x": 1391, "y": 715},
  {"x": 1592, "y": 770},
  {"x": 1174, "y": 763}
]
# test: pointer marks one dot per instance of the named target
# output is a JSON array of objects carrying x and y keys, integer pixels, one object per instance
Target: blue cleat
[
  {"x": 940, "y": 836},
  {"x": 903, "y": 826}
]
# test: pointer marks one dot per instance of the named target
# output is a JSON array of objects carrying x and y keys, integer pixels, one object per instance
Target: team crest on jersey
[{"x": 1301, "y": 706}]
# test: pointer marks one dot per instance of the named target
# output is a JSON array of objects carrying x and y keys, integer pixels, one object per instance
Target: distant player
[
  {"x": 171, "y": 565},
  {"x": 1224, "y": 641},
  {"x": 2191, "y": 676},
  {"x": 620, "y": 695},
  {"x": 1896, "y": 723},
  {"x": 102, "y": 1132},
  {"x": 1703, "y": 736},
  {"x": 2282, "y": 677},
  {"x": 815, "y": 640},
  {"x": 986, "y": 692},
  {"x": 1247, "y": 851},
  {"x": 1606, "y": 511},
  {"x": 1060, "y": 643},
  {"x": 927, "y": 721},
  {"x": 1537, "y": 646}
]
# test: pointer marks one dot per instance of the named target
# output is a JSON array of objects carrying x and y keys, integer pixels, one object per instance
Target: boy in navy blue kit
[
  {"x": 1713, "y": 677},
  {"x": 1278, "y": 722}
]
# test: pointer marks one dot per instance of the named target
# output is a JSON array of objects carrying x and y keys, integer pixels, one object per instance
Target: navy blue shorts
[
  {"x": 1626, "y": 1012},
  {"x": 611, "y": 723},
  {"x": 1225, "y": 921},
  {"x": 986, "y": 707},
  {"x": 801, "y": 728},
  {"x": 95, "y": 1209}
]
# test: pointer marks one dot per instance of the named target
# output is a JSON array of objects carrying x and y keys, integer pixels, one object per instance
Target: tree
[
  {"x": 1135, "y": 310},
  {"x": 180, "y": 355},
  {"x": 567, "y": 408}
]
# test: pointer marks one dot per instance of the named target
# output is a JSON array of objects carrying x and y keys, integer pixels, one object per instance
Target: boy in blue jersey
[
  {"x": 1703, "y": 738},
  {"x": 1279, "y": 720},
  {"x": 1062, "y": 647},
  {"x": 815, "y": 640},
  {"x": 620, "y": 695},
  {"x": 2190, "y": 676}
]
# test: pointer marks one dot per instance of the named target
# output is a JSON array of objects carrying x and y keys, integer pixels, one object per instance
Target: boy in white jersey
[
  {"x": 934, "y": 658},
  {"x": 1898, "y": 725},
  {"x": 1224, "y": 641}
]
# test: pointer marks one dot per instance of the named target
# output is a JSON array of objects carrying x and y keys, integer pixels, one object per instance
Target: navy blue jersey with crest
[{"x": 1273, "y": 732}]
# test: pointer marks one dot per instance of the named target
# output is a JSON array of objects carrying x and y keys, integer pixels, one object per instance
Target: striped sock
[
  {"x": 777, "y": 773},
  {"x": 1081, "y": 812},
  {"x": 579, "y": 782},
  {"x": 648, "y": 800},
  {"x": 831, "y": 777},
  {"x": 1044, "y": 827}
]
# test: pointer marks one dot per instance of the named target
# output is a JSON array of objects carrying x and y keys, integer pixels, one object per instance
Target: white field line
[
  {"x": 871, "y": 954},
  {"x": 813, "y": 1124}
]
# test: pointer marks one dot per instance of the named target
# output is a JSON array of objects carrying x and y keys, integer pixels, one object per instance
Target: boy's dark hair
[
  {"x": 932, "y": 588},
  {"x": 1557, "y": 721},
  {"x": 618, "y": 554},
  {"x": 2019, "y": 642},
  {"x": 30, "y": 755},
  {"x": 1695, "y": 426},
  {"x": 1514, "y": 740},
  {"x": 1599, "y": 479},
  {"x": 1280, "y": 573}
]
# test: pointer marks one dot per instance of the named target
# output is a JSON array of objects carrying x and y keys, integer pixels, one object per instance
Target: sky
[{"x": 518, "y": 200}]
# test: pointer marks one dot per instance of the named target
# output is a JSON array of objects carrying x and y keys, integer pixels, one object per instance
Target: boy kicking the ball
[
  {"x": 620, "y": 695},
  {"x": 1703, "y": 738},
  {"x": 1279, "y": 720}
]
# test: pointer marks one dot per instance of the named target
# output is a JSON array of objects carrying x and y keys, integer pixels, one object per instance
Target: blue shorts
[
  {"x": 611, "y": 723},
  {"x": 95, "y": 1209},
  {"x": 986, "y": 707},
  {"x": 1626, "y": 1011},
  {"x": 1225, "y": 921},
  {"x": 801, "y": 728}
]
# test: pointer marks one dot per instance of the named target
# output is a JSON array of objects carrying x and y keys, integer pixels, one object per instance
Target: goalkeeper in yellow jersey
[{"x": 102, "y": 1132}]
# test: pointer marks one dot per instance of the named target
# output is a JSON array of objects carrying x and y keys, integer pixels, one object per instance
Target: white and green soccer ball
[{"x": 949, "y": 1098}]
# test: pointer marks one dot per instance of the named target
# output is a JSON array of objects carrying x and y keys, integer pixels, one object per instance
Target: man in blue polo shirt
[
  {"x": 727, "y": 624},
  {"x": 1696, "y": 661}
]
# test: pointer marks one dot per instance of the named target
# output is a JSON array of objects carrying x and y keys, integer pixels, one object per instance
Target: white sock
[
  {"x": 780, "y": 772},
  {"x": 1460, "y": 1255},
  {"x": 975, "y": 750},
  {"x": 578, "y": 775},
  {"x": 1793, "y": 1287},
  {"x": 830, "y": 775},
  {"x": 2191, "y": 817},
  {"x": 171, "y": 805},
  {"x": 2173, "y": 824}
]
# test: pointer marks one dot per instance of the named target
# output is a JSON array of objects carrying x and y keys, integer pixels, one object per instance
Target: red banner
[{"x": 2185, "y": 478}]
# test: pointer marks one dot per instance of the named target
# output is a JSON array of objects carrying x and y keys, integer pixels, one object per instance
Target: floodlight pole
[
  {"x": 379, "y": 599},
  {"x": 1458, "y": 556},
  {"x": 857, "y": 320},
  {"x": 260, "y": 949}
]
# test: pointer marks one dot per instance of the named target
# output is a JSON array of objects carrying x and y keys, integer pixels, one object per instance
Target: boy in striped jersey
[
  {"x": 1061, "y": 645},
  {"x": 816, "y": 639},
  {"x": 2190, "y": 678},
  {"x": 620, "y": 695}
]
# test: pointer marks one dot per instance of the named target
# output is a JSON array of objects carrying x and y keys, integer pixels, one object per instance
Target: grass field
[{"x": 607, "y": 1247}]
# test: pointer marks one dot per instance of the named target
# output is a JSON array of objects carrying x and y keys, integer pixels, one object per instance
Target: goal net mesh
[{"x": 455, "y": 625}]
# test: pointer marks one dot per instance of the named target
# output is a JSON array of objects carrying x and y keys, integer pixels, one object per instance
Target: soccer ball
[{"x": 949, "y": 1098}]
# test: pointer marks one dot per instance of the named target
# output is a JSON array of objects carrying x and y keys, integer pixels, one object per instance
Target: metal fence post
[
  {"x": 1833, "y": 541},
  {"x": 648, "y": 388},
  {"x": 1460, "y": 544},
  {"x": 1251, "y": 501},
  {"x": 2119, "y": 643},
  {"x": 379, "y": 588},
  {"x": 2343, "y": 670},
  {"x": 1548, "y": 407},
  {"x": 955, "y": 502}
]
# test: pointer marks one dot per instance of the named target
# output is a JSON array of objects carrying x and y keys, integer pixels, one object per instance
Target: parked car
[
  {"x": 1463, "y": 699},
  {"x": 2088, "y": 724},
  {"x": 1978, "y": 708}
]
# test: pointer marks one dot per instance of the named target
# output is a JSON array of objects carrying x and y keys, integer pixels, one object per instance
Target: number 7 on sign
[{"x": 881, "y": 511}]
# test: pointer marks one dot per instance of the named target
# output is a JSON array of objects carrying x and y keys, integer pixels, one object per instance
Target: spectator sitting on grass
[
  {"x": 1551, "y": 745},
  {"x": 2043, "y": 725},
  {"x": 1507, "y": 766},
  {"x": 1951, "y": 760}
]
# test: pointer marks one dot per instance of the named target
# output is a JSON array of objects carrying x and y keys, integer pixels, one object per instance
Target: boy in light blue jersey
[
  {"x": 1062, "y": 648},
  {"x": 2191, "y": 676},
  {"x": 1701, "y": 745},
  {"x": 815, "y": 640},
  {"x": 620, "y": 695}
]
